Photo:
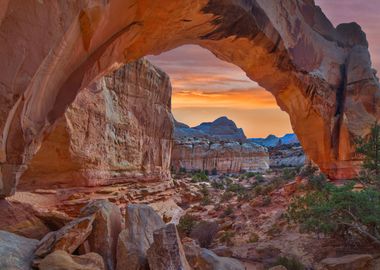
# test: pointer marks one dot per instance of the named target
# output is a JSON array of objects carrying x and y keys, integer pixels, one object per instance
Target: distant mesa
[
  {"x": 273, "y": 141},
  {"x": 222, "y": 129}
]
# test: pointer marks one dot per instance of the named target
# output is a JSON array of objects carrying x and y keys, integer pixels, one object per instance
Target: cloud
[{"x": 243, "y": 99}]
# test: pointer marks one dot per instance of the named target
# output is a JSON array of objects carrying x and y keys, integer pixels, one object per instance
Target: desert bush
[
  {"x": 204, "y": 232},
  {"x": 267, "y": 200},
  {"x": 186, "y": 224},
  {"x": 236, "y": 188},
  {"x": 206, "y": 200},
  {"x": 199, "y": 177},
  {"x": 227, "y": 237},
  {"x": 253, "y": 238},
  {"x": 289, "y": 174},
  {"x": 217, "y": 184},
  {"x": 227, "y": 212},
  {"x": 204, "y": 190},
  {"x": 307, "y": 171},
  {"x": 317, "y": 181},
  {"x": 290, "y": 263},
  {"x": 339, "y": 211},
  {"x": 226, "y": 196}
]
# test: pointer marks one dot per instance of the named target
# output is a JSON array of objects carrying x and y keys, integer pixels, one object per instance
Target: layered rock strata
[
  {"x": 320, "y": 75},
  {"x": 224, "y": 157},
  {"x": 117, "y": 131}
]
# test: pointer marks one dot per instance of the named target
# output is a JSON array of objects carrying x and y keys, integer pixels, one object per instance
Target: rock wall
[
  {"x": 225, "y": 157},
  {"x": 118, "y": 131},
  {"x": 320, "y": 75}
]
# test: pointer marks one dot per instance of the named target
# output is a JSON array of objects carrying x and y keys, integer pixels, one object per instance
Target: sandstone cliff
[
  {"x": 117, "y": 131},
  {"x": 219, "y": 145}
]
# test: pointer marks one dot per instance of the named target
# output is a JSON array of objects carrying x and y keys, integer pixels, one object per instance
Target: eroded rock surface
[
  {"x": 16, "y": 252},
  {"x": 140, "y": 222},
  {"x": 61, "y": 260},
  {"x": 107, "y": 226},
  {"x": 166, "y": 252},
  {"x": 225, "y": 157},
  {"x": 320, "y": 75},
  {"x": 120, "y": 130}
]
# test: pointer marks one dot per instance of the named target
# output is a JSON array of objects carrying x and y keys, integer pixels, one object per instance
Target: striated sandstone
[
  {"x": 50, "y": 50},
  {"x": 118, "y": 131},
  {"x": 225, "y": 157}
]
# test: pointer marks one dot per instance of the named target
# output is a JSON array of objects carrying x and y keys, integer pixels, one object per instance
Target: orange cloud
[{"x": 243, "y": 99}]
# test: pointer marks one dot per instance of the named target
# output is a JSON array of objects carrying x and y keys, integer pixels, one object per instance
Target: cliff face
[
  {"x": 320, "y": 75},
  {"x": 225, "y": 157},
  {"x": 119, "y": 130},
  {"x": 219, "y": 145}
]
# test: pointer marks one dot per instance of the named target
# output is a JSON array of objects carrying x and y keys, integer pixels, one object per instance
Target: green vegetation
[
  {"x": 339, "y": 211},
  {"x": 186, "y": 224},
  {"x": 369, "y": 148},
  {"x": 199, "y": 177},
  {"x": 204, "y": 232},
  {"x": 226, "y": 237},
  {"x": 290, "y": 263},
  {"x": 253, "y": 238}
]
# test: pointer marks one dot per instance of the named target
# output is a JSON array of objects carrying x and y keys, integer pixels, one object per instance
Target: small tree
[{"x": 370, "y": 148}]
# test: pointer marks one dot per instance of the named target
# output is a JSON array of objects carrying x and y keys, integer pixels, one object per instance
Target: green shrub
[
  {"x": 236, "y": 188},
  {"x": 204, "y": 190},
  {"x": 199, "y": 177},
  {"x": 186, "y": 224},
  {"x": 253, "y": 238},
  {"x": 206, "y": 200},
  {"x": 289, "y": 174},
  {"x": 204, "y": 232},
  {"x": 317, "y": 181},
  {"x": 267, "y": 200},
  {"x": 227, "y": 195},
  {"x": 217, "y": 184},
  {"x": 290, "y": 263},
  {"x": 339, "y": 211},
  {"x": 226, "y": 237},
  {"x": 228, "y": 211}
]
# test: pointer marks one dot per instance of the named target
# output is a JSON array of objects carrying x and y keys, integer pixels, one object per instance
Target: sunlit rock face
[
  {"x": 117, "y": 131},
  {"x": 320, "y": 75},
  {"x": 224, "y": 157}
]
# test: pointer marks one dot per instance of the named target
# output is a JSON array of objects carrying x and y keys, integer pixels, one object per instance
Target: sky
[{"x": 205, "y": 88}]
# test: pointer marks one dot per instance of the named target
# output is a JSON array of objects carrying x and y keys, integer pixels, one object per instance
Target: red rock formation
[
  {"x": 118, "y": 131},
  {"x": 52, "y": 49},
  {"x": 225, "y": 157}
]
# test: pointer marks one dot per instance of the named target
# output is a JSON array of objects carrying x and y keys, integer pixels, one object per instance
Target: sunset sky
[{"x": 205, "y": 88}]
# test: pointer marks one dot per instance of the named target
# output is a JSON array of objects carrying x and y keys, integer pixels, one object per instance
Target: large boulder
[
  {"x": 19, "y": 218},
  {"x": 61, "y": 260},
  {"x": 140, "y": 223},
  {"x": 204, "y": 259},
  {"x": 68, "y": 238},
  {"x": 16, "y": 252},
  {"x": 106, "y": 229},
  {"x": 166, "y": 252},
  {"x": 348, "y": 262}
]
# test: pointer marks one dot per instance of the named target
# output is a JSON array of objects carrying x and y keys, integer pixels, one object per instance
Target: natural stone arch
[{"x": 320, "y": 75}]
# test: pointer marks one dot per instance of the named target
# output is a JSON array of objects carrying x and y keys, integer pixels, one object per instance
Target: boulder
[
  {"x": 348, "y": 262},
  {"x": 19, "y": 218},
  {"x": 16, "y": 252},
  {"x": 166, "y": 252},
  {"x": 61, "y": 260},
  {"x": 140, "y": 222},
  {"x": 204, "y": 259},
  {"x": 68, "y": 238},
  {"x": 168, "y": 210},
  {"x": 106, "y": 229}
]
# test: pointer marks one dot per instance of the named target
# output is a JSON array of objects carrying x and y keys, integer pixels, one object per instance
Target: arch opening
[{"x": 290, "y": 49}]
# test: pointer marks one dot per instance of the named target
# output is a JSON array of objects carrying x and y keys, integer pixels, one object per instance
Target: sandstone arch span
[{"x": 319, "y": 74}]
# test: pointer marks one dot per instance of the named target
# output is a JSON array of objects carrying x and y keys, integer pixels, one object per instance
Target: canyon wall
[
  {"x": 120, "y": 130},
  {"x": 320, "y": 75},
  {"x": 219, "y": 145},
  {"x": 224, "y": 157}
]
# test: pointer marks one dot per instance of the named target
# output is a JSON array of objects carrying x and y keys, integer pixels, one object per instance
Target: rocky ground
[{"x": 223, "y": 221}]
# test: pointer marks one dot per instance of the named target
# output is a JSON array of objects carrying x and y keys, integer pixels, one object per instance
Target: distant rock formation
[
  {"x": 272, "y": 140},
  {"x": 287, "y": 155},
  {"x": 219, "y": 145},
  {"x": 222, "y": 129},
  {"x": 120, "y": 130}
]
